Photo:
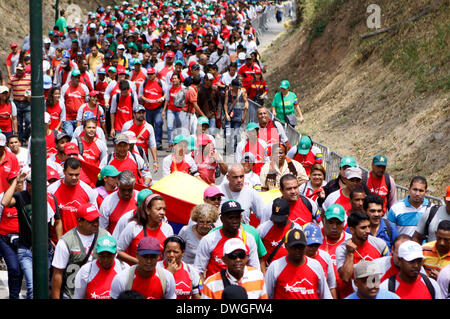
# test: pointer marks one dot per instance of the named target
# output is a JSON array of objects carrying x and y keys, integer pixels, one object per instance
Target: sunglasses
[
  {"x": 240, "y": 255},
  {"x": 219, "y": 197}
]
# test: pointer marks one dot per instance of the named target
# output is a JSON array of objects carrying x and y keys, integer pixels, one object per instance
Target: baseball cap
[
  {"x": 304, "y": 145},
  {"x": 234, "y": 292},
  {"x": 120, "y": 47},
  {"x": 131, "y": 137},
  {"x": 151, "y": 71},
  {"x": 212, "y": 191},
  {"x": 102, "y": 71},
  {"x": 233, "y": 244},
  {"x": 170, "y": 54},
  {"x": 447, "y": 194},
  {"x": 61, "y": 135},
  {"x": 209, "y": 76},
  {"x": 410, "y": 250},
  {"x": 178, "y": 139},
  {"x": 75, "y": 72},
  {"x": 252, "y": 126},
  {"x": 348, "y": 161},
  {"x": 285, "y": 84},
  {"x": 353, "y": 172},
  {"x": 107, "y": 243},
  {"x": 112, "y": 69},
  {"x": 366, "y": 268},
  {"x": 248, "y": 157},
  {"x": 3, "y": 89},
  {"x": 14, "y": 44},
  {"x": 71, "y": 148},
  {"x": 138, "y": 108},
  {"x": 121, "y": 138},
  {"x": 203, "y": 120},
  {"x": 380, "y": 160},
  {"x": 88, "y": 211},
  {"x": 241, "y": 56},
  {"x": 191, "y": 143},
  {"x": 280, "y": 210},
  {"x": 149, "y": 246},
  {"x": 313, "y": 234},
  {"x": 93, "y": 93},
  {"x": 335, "y": 211},
  {"x": 52, "y": 173},
  {"x": 142, "y": 195},
  {"x": 109, "y": 171},
  {"x": 20, "y": 67},
  {"x": 2, "y": 139},
  {"x": 295, "y": 237},
  {"x": 230, "y": 206},
  {"x": 88, "y": 115},
  {"x": 47, "y": 82}
]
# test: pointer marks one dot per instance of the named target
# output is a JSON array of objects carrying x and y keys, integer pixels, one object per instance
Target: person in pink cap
[
  {"x": 74, "y": 249},
  {"x": 213, "y": 196}
]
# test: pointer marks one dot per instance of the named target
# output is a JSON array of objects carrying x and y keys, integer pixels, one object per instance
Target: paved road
[{"x": 266, "y": 38}]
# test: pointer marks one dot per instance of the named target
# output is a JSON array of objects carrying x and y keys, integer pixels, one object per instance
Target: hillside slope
[{"x": 386, "y": 94}]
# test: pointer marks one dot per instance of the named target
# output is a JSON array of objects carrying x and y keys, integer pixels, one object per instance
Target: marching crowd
[{"x": 118, "y": 77}]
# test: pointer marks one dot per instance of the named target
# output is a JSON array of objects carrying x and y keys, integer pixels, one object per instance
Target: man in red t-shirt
[
  {"x": 122, "y": 105},
  {"x": 8, "y": 164},
  {"x": 410, "y": 283}
]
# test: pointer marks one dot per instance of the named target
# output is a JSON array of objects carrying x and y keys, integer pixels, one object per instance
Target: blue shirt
[
  {"x": 383, "y": 232},
  {"x": 382, "y": 294}
]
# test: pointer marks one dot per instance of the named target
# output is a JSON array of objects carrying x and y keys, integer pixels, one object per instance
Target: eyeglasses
[
  {"x": 240, "y": 255},
  {"x": 218, "y": 197},
  {"x": 205, "y": 222}
]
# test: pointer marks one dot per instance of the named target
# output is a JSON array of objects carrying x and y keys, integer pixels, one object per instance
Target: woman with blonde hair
[{"x": 204, "y": 216}]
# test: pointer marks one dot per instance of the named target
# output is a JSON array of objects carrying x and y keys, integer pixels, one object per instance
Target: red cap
[
  {"x": 52, "y": 173},
  {"x": 93, "y": 93},
  {"x": 71, "y": 148},
  {"x": 121, "y": 69},
  {"x": 447, "y": 195},
  {"x": 220, "y": 46},
  {"x": 170, "y": 54},
  {"x": 151, "y": 71},
  {"x": 88, "y": 211},
  {"x": 14, "y": 44}
]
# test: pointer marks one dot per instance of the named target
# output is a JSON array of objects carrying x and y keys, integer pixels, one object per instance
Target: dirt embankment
[{"x": 387, "y": 94}]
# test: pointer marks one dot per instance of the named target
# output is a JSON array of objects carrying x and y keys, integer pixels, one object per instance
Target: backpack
[
  {"x": 433, "y": 212},
  {"x": 118, "y": 99},
  {"x": 391, "y": 284}
]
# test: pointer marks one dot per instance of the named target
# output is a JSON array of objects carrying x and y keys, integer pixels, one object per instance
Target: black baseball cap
[
  {"x": 230, "y": 206},
  {"x": 280, "y": 210},
  {"x": 295, "y": 237}
]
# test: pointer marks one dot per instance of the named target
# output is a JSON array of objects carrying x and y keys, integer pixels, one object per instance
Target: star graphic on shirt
[{"x": 274, "y": 243}]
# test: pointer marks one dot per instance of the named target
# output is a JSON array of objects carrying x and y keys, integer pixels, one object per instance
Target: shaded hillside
[{"x": 386, "y": 94}]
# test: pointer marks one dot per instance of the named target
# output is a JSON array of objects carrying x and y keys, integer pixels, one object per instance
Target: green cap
[
  {"x": 75, "y": 72},
  {"x": 109, "y": 171},
  {"x": 191, "y": 143},
  {"x": 109, "y": 35},
  {"x": 252, "y": 125},
  {"x": 178, "y": 139},
  {"x": 380, "y": 160},
  {"x": 348, "y": 161},
  {"x": 285, "y": 84},
  {"x": 203, "y": 120},
  {"x": 112, "y": 69},
  {"x": 107, "y": 243},
  {"x": 142, "y": 195},
  {"x": 304, "y": 145},
  {"x": 335, "y": 211}
]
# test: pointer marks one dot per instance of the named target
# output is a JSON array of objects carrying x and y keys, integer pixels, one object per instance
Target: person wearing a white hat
[
  {"x": 410, "y": 282},
  {"x": 235, "y": 256},
  {"x": 8, "y": 113}
]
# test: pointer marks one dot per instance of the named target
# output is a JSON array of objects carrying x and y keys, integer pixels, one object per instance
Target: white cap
[
  {"x": 353, "y": 172},
  {"x": 410, "y": 250},
  {"x": 232, "y": 245},
  {"x": 241, "y": 56},
  {"x": 131, "y": 136},
  {"x": 3, "y": 89},
  {"x": 47, "y": 118},
  {"x": 2, "y": 139},
  {"x": 366, "y": 268},
  {"x": 120, "y": 47}
]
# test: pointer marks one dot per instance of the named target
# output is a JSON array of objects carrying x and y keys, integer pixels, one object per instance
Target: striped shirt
[
  {"x": 432, "y": 258},
  {"x": 405, "y": 216},
  {"x": 252, "y": 281},
  {"x": 19, "y": 86}
]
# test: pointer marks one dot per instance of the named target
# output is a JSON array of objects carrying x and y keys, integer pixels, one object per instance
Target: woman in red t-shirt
[
  {"x": 173, "y": 111},
  {"x": 8, "y": 113},
  {"x": 258, "y": 89},
  {"x": 54, "y": 109}
]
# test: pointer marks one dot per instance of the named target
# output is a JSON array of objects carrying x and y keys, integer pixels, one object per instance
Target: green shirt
[
  {"x": 290, "y": 101},
  {"x": 61, "y": 23}
]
